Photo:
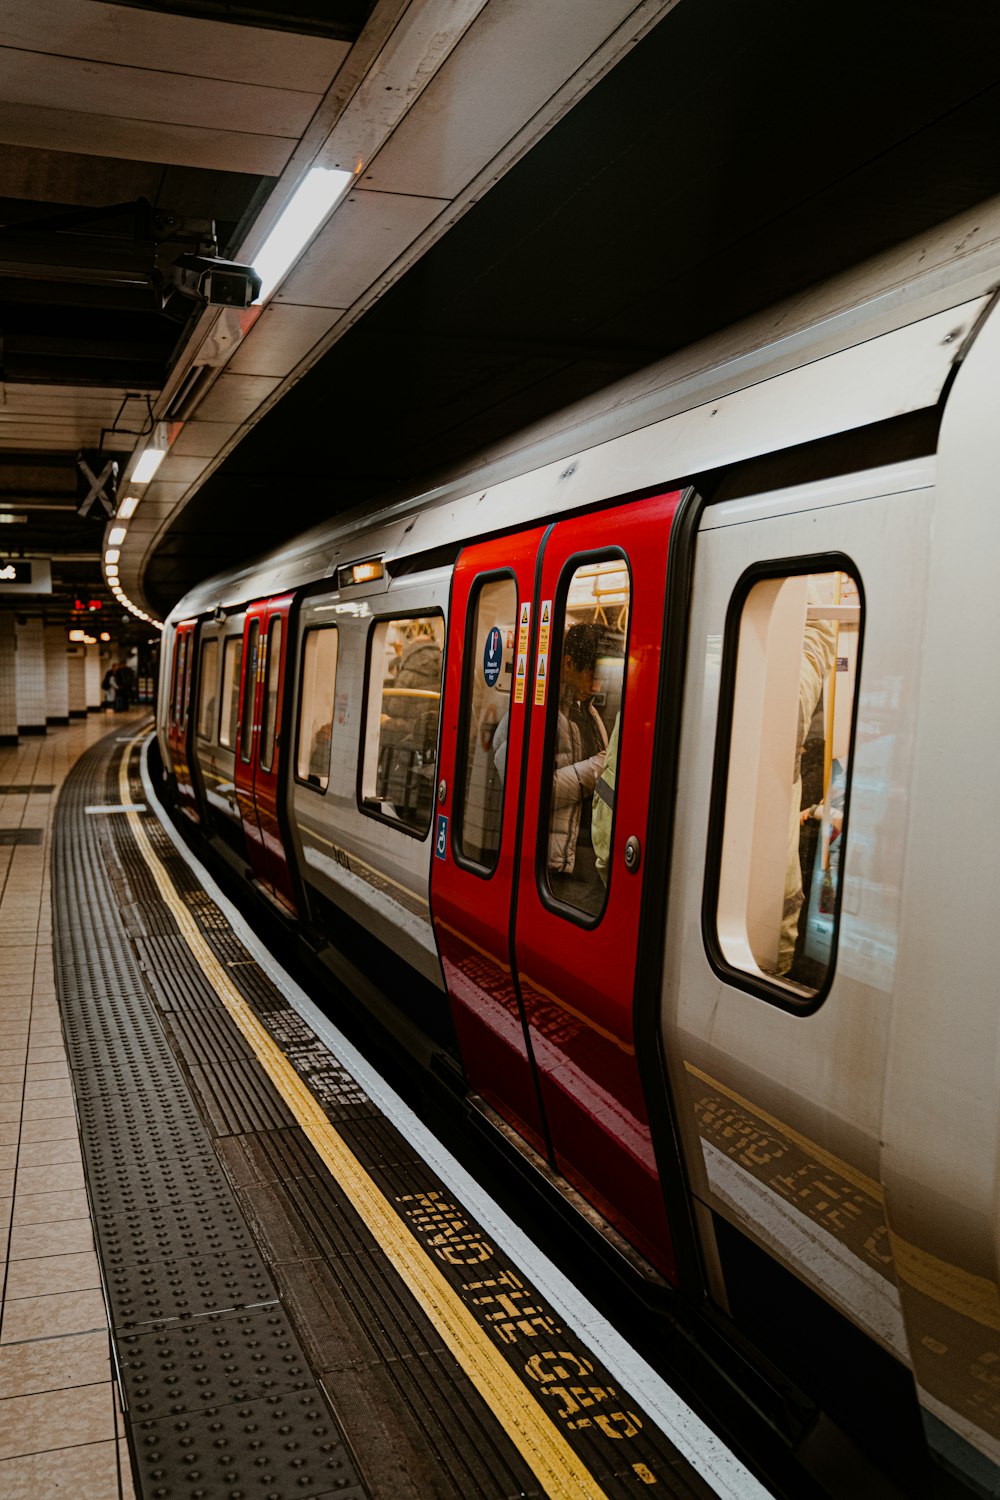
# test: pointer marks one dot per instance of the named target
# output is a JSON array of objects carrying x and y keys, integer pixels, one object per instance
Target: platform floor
[
  {"x": 299, "y": 1302},
  {"x": 61, "y": 1430}
]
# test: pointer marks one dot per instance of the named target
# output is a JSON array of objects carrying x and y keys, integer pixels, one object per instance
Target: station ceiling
[{"x": 713, "y": 160}]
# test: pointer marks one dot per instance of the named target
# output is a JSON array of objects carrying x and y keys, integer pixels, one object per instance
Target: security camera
[{"x": 209, "y": 279}]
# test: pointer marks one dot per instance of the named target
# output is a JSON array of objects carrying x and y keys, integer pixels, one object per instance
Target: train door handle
[{"x": 633, "y": 854}]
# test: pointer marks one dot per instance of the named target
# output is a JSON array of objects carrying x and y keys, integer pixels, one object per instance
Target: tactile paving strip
[
  {"x": 283, "y": 1444},
  {"x": 231, "y": 1357},
  {"x": 220, "y": 1397}
]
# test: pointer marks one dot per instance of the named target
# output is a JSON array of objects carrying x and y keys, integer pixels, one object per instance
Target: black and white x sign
[{"x": 102, "y": 487}]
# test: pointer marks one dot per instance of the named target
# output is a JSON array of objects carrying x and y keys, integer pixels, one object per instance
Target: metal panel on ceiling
[
  {"x": 201, "y": 439},
  {"x": 185, "y": 468},
  {"x": 510, "y": 63},
  {"x": 97, "y": 32},
  {"x": 144, "y": 140},
  {"x": 417, "y": 46},
  {"x": 364, "y": 237},
  {"x": 233, "y": 398},
  {"x": 153, "y": 94},
  {"x": 281, "y": 337}
]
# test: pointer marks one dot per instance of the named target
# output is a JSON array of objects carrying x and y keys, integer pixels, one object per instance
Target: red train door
[
  {"x": 182, "y": 677},
  {"x": 581, "y": 869},
  {"x": 258, "y": 777},
  {"x": 482, "y": 737},
  {"x": 538, "y": 870}
]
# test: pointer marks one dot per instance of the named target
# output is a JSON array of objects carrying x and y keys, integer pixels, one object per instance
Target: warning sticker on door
[
  {"x": 541, "y": 673},
  {"x": 520, "y": 676},
  {"x": 524, "y": 620},
  {"x": 544, "y": 626}
]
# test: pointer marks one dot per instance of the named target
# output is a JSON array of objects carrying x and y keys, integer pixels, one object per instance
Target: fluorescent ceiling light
[
  {"x": 148, "y": 465},
  {"x": 112, "y": 570},
  {"x": 305, "y": 211},
  {"x": 112, "y": 555},
  {"x": 8, "y": 518},
  {"x": 117, "y": 536},
  {"x": 127, "y": 508}
]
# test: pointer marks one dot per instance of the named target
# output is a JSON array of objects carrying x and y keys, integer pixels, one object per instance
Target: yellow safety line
[
  {"x": 559, "y": 1470},
  {"x": 826, "y": 1158}
]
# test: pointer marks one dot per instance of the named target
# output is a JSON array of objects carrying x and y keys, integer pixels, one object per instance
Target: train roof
[{"x": 875, "y": 342}]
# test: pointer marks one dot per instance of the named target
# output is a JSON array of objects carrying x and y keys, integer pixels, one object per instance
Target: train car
[{"x": 639, "y": 778}]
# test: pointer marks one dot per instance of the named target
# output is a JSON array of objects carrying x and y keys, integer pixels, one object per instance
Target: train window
[
  {"x": 249, "y": 691},
  {"x": 404, "y": 704},
  {"x": 486, "y": 690},
  {"x": 319, "y": 680},
  {"x": 582, "y": 753},
  {"x": 272, "y": 675},
  {"x": 182, "y": 652},
  {"x": 208, "y": 686},
  {"x": 786, "y": 775},
  {"x": 172, "y": 700},
  {"x": 232, "y": 656}
]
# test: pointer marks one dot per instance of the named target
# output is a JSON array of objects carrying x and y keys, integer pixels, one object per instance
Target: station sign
[{"x": 20, "y": 577}]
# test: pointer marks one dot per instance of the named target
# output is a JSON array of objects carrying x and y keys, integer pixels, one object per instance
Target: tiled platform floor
[{"x": 60, "y": 1428}]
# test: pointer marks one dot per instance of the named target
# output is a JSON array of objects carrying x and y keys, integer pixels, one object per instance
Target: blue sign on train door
[
  {"x": 441, "y": 837},
  {"x": 493, "y": 657}
]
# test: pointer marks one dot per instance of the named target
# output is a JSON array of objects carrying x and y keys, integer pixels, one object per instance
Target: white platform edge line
[{"x": 704, "y": 1450}]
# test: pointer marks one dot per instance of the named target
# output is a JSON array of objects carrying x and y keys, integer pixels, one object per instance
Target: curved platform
[{"x": 305, "y": 1295}]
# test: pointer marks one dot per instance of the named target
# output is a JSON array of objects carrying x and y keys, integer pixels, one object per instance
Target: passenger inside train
[
  {"x": 411, "y": 704},
  {"x": 591, "y": 679},
  {"x": 793, "y": 708}
]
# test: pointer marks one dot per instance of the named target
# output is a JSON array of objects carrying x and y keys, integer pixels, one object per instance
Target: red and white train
[{"x": 645, "y": 774}]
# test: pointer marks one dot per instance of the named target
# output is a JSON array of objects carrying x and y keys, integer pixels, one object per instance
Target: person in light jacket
[{"x": 581, "y": 747}]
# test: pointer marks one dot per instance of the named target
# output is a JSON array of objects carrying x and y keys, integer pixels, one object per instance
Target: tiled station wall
[{"x": 43, "y": 679}]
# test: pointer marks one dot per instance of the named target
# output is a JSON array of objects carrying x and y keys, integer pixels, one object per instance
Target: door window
[
  {"x": 319, "y": 682},
  {"x": 208, "y": 686},
  {"x": 404, "y": 704},
  {"x": 182, "y": 650},
  {"x": 486, "y": 697},
  {"x": 271, "y": 682},
  {"x": 588, "y": 665},
  {"x": 232, "y": 656},
  {"x": 787, "y": 775},
  {"x": 174, "y": 675},
  {"x": 249, "y": 691}
]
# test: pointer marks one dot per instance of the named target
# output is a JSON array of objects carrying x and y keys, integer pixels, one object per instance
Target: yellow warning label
[
  {"x": 522, "y": 632},
  {"x": 545, "y": 625},
  {"x": 541, "y": 672},
  {"x": 519, "y": 679}
]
